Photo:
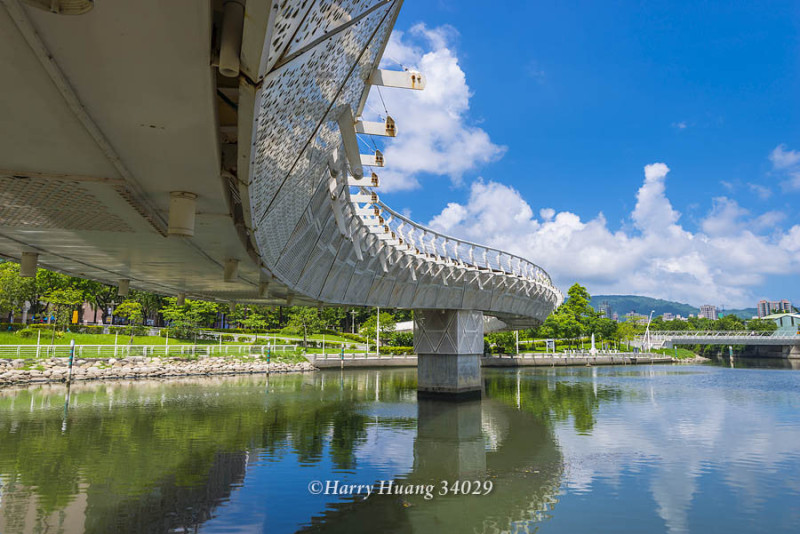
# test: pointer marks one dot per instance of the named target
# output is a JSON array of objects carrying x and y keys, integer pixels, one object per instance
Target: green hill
[{"x": 622, "y": 304}]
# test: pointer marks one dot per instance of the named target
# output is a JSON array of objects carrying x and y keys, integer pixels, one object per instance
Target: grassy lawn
[
  {"x": 9, "y": 338},
  {"x": 683, "y": 354},
  {"x": 295, "y": 339}
]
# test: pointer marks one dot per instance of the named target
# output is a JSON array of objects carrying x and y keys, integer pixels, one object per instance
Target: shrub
[
  {"x": 137, "y": 330},
  {"x": 11, "y": 327},
  {"x": 329, "y": 332},
  {"x": 228, "y": 337},
  {"x": 402, "y": 339},
  {"x": 87, "y": 329},
  {"x": 26, "y": 333},
  {"x": 396, "y": 350},
  {"x": 291, "y": 331},
  {"x": 353, "y": 337},
  {"x": 41, "y": 326}
]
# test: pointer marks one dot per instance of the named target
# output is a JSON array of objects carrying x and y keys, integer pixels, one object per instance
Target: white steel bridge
[
  {"x": 658, "y": 339},
  {"x": 209, "y": 149}
]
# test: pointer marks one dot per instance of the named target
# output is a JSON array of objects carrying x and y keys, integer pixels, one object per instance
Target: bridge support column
[
  {"x": 450, "y": 444},
  {"x": 449, "y": 344}
]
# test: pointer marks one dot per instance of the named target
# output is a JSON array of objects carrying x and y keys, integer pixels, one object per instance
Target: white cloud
[
  {"x": 720, "y": 264},
  {"x": 791, "y": 241},
  {"x": 787, "y": 162},
  {"x": 680, "y": 125},
  {"x": 784, "y": 159},
  {"x": 547, "y": 213},
  {"x": 653, "y": 212},
  {"x": 792, "y": 183},
  {"x": 763, "y": 192},
  {"x": 725, "y": 217},
  {"x": 435, "y": 134}
]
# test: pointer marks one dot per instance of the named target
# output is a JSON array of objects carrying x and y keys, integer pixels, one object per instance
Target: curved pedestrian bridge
[{"x": 211, "y": 149}]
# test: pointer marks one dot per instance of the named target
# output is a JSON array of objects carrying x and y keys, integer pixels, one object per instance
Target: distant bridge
[{"x": 790, "y": 344}]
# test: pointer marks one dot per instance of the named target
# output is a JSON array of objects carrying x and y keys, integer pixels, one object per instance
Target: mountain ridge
[{"x": 622, "y": 304}]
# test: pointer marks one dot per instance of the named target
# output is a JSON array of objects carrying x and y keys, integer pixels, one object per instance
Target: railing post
[{"x": 71, "y": 358}]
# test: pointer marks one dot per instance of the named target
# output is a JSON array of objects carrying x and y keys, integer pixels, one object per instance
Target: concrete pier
[{"x": 449, "y": 345}]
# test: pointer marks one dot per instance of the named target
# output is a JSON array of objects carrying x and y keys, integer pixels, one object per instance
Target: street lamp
[{"x": 647, "y": 330}]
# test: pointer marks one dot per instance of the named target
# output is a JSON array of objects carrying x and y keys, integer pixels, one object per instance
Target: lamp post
[{"x": 647, "y": 330}]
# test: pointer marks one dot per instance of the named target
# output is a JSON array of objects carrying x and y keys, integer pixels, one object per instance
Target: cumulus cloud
[
  {"x": 435, "y": 133},
  {"x": 720, "y": 264}
]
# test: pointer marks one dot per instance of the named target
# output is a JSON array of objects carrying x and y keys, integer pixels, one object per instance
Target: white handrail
[{"x": 488, "y": 259}]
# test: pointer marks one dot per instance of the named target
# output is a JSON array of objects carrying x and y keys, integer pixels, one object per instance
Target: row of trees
[
  {"x": 575, "y": 319},
  {"x": 56, "y": 296}
]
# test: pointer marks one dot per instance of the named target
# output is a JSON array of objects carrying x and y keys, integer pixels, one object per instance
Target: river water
[{"x": 604, "y": 449}]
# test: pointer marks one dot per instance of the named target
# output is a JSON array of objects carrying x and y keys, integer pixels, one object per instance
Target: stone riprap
[{"x": 26, "y": 371}]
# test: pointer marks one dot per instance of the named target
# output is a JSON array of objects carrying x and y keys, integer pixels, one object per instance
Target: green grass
[
  {"x": 315, "y": 337},
  {"x": 683, "y": 354},
  {"x": 9, "y": 338}
]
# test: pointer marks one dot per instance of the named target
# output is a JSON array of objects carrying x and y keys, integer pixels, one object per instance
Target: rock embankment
[{"x": 24, "y": 371}]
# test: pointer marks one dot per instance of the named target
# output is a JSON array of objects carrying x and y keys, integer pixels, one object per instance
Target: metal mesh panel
[
  {"x": 325, "y": 16},
  {"x": 49, "y": 203}
]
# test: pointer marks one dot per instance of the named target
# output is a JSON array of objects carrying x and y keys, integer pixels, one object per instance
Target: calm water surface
[{"x": 614, "y": 449}]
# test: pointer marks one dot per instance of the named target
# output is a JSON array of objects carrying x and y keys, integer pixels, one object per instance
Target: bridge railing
[
  {"x": 434, "y": 246},
  {"x": 716, "y": 333},
  {"x": 123, "y": 351}
]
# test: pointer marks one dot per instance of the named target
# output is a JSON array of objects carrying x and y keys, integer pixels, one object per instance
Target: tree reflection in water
[{"x": 160, "y": 456}]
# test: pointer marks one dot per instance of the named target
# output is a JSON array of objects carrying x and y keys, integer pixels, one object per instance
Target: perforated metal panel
[
  {"x": 50, "y": 203},
  {"x": 295, "y": 137}
]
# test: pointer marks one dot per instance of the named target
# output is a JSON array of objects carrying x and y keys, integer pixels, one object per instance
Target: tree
[
  {"x": 577, "y": 303},
  {"x": 306, "y": 318},
  {"x": 151, "y": 303},
  {"x": 762, "y": 325},
  {"x": 11, "y": 291},
  {"x": 605, "y": 328},
  {"x": 334, "y": 318},
  {"x": 100, "y": 296},
  {"x": 132, "y": 312},
  {"x": 504, "y": 342},
  {"x": 63, "y": 302},
  {"x": 186, "y": 320},
  {"x": 369, "y": 327},
  {"x": 626, "y": 331},
  {"x": 574, "y": 318},
  {"x": 729, "y": 323}
]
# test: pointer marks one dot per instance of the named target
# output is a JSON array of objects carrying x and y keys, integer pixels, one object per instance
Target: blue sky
[{"x": 539, "y": 120}]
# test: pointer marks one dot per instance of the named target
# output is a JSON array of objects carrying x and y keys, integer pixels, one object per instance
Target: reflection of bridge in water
[
  {"x": 180, "y": 448},
  {"x": 763, "y": 343}
]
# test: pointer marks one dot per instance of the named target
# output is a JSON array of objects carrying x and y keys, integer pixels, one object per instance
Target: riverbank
[
  {"x": 351, "y": 361},
  {"x": 693, "y": 360},
  {"x": 54, "y": 370},
  {"x": 580, "y": 359}
]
